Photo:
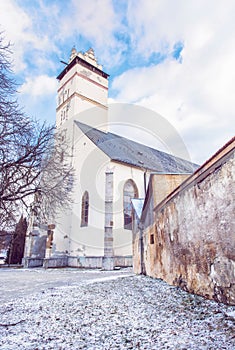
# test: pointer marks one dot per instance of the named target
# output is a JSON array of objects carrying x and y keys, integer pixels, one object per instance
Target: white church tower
[
  {"x": 85, "y": 233},
  {"x": 82, "y": 86}
]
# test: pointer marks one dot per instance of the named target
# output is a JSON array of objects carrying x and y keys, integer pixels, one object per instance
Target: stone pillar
[
  {"x": 35, "y": 246},
  {"x": 108, "y": 228},
  {"x": 49, "y": 241}
]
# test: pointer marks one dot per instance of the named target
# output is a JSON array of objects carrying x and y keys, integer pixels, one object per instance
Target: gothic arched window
[
  {"x": 85, "y": 209},
  {"x": 129, "y": 191}
]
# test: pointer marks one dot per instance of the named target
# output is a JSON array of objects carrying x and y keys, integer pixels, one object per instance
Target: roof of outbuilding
[
  {"x": 126, "y": 151},
  {"x": 138, "y": 204}
]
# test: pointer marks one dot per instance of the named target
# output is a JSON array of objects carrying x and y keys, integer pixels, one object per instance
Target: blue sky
[{"x": 173, "y": 57}]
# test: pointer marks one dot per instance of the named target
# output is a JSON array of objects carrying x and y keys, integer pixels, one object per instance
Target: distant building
[{"x": 110, "y": 171}]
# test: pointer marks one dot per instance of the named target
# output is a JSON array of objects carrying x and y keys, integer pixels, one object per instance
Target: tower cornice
[{"x": 83, "y": 63}]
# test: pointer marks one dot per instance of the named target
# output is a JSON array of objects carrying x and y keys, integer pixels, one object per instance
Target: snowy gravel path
[{"x": 115, "y": 311}]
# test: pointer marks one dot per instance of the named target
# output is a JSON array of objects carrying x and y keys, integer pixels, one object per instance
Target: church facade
[{"x": 110, "y": 171}]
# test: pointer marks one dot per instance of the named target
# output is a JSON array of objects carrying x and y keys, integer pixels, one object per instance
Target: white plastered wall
[
  {"x": 78, "y": 90},
  {"x": 89, "y": 163}
]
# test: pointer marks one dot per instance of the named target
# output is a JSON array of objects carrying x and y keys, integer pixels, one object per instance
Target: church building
[{"x": 110, "y": 171}]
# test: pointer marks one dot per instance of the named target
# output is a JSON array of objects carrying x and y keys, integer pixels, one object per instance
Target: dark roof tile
[{"x": 126, "y": 151}]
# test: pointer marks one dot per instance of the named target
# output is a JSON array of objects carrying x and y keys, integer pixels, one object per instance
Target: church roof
[{"x": 126, "y": 151}]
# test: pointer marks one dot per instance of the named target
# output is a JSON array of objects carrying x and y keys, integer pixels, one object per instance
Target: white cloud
[
  {"x": 41, "y": 85},
  {"x": 22, "y": 29},
  {"x": 197, "y": 96},
  {"x": 93, "y": 18},
  {"x": 98, "y": 22},
  {"x": 14, "y": 21},
  {"x": 39, "y": 29}
]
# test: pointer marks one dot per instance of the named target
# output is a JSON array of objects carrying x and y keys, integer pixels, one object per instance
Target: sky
[{"x": 173, "y": 57}]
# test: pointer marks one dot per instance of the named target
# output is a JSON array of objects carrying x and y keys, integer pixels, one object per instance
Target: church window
[
  {"x": 129, "y": 191},
  {"x": 85, "y": 209}
]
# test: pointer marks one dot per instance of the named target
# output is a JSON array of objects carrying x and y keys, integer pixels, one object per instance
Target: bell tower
[{"x": 82, "y": 85}]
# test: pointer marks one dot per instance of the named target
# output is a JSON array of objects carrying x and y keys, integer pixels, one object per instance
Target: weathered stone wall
[
  {"x": 137, "y": 249},
  {"x": 164, "y": 184},
  {"x": 191, "y": 242},
  {"x": 97, "y": 262},
  {"x": 87, "y": 262},
  {"x": 32, "y": 262},
  {"x": 160, "y": 186}
]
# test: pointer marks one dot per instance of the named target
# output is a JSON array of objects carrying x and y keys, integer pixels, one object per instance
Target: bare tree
[
  {"x": 56, "y": 179},
  {"x": 35, "y": 164}
]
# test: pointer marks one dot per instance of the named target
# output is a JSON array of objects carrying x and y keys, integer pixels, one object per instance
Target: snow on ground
[{"x": 71, "y": 309}]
